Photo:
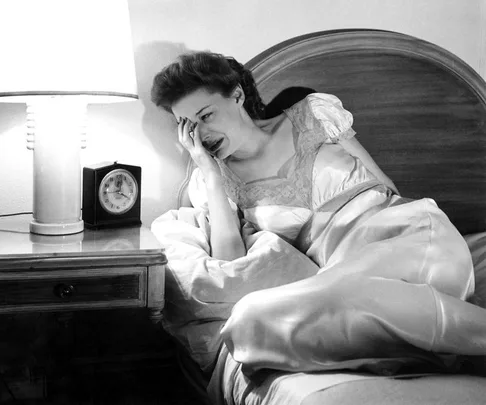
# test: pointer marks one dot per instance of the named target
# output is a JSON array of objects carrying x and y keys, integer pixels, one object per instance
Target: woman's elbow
[{"x": 231, "y": 250}]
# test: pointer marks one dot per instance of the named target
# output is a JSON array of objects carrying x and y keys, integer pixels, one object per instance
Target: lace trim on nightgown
[
  {"x": 291, "y": 190},
  {"x": 295, "y": 189}
]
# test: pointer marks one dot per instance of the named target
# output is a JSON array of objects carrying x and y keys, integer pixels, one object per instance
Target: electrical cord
[
  {"x": 18, "y": 213},
  {"x": 15, "y": 213}
]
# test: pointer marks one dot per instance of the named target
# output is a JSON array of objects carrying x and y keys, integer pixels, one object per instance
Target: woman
[{"x": 394, "y": 274}]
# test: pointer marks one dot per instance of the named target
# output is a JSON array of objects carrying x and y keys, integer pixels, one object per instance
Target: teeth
[
  {"x": 218, "y": 145},
  {"x": 211, "y": 145}
]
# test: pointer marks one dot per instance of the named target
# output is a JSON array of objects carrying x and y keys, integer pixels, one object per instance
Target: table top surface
[{"x": 17, "y": 242}]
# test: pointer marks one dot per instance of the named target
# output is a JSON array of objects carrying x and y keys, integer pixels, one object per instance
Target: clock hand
[{"x": 118, "y": 192}]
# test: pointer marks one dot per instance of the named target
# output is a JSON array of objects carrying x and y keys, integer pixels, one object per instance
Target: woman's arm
[
  {"x": 354, "y": 148},
  {"x": 225, "y": 239}
]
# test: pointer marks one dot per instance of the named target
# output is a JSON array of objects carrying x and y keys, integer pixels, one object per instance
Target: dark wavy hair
[{"x": 213, "y": 72}]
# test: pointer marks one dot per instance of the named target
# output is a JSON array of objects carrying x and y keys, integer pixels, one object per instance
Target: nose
[{"x": 203, "y": 129}]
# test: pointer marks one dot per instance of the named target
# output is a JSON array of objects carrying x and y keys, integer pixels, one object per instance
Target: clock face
[{"x": 118, "y": 191}]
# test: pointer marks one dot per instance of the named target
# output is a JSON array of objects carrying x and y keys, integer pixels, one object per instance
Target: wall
[
  {"x": 482, "y": 39},
  {"x": 137, "y": 133}
]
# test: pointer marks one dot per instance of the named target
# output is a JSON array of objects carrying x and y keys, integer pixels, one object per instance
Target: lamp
[{"x": 58, "y": 56}]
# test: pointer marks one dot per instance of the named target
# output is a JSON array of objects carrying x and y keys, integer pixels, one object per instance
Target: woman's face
[{"x": 220, "y": 119}]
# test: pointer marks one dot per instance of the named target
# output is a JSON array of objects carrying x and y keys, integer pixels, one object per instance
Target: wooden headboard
[{"x": 419, "y": 110}]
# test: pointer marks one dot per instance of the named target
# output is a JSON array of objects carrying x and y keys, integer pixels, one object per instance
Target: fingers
[
  {"x": 197, "y": 137},
  {"x": 197, "y": 141},
  {"x": 180, "y": 124},
  {"x": 184, "y": 129}
]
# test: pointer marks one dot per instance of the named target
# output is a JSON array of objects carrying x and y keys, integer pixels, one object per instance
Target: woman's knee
[
  {"x": 245, "y": 318},
  {"x": 449, "y": 267},
  {"x": 447, "y": 264}
]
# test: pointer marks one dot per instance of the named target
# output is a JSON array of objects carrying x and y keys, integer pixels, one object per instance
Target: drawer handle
[{"x": 64, "y": 290}]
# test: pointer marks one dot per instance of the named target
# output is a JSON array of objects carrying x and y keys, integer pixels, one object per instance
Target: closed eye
[{"x": 205, "y": 117}]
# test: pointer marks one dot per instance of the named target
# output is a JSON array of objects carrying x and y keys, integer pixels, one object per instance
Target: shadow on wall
[
  {"x": 12, "y": 115},
  {"x": 160, "y": 127},
  {"x": 15, "y": 160}
]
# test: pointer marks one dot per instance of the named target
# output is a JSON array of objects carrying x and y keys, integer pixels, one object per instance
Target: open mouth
[{"x": 212, "y": 146}]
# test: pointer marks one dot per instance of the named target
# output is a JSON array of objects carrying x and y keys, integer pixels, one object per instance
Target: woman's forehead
[{"x": 192, "y": 103}]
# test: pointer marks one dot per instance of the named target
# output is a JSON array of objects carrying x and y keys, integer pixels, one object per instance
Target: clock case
[{"x": 94, "y": 215}]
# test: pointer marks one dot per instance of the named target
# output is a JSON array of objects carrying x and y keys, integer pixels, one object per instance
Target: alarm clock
[{"x": 111, "y": 195}]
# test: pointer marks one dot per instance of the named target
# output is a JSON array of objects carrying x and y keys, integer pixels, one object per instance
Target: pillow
[{"x": 477, "y": 246}]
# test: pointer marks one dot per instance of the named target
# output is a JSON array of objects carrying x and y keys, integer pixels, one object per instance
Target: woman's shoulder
[{"x": 271, "y": 125}]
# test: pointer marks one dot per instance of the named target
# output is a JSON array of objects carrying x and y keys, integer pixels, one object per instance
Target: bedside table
[
  {"x": 75, "y": 308},
  {"x": 94, "y": 269}
]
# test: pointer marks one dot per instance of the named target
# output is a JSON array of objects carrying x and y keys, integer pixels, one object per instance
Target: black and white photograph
[{"x": 227, "y": 202}]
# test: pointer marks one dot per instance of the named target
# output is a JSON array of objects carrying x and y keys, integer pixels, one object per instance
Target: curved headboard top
[{"x": 419, "y": 110}]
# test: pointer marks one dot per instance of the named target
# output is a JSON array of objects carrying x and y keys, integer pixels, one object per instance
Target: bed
[{"x": 421, "y": 113}]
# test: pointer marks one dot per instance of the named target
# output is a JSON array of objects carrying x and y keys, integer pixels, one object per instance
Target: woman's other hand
[{"x": 190, "y": 138}]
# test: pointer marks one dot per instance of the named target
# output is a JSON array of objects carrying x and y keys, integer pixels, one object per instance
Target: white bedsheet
[{"x": 231, "y": 387}]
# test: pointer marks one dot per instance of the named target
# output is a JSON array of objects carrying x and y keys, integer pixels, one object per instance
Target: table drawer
[{"x": 73, "y": 289}]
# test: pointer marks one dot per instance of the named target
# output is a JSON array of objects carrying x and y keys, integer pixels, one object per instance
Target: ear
[{"x": 238, "y": 95}]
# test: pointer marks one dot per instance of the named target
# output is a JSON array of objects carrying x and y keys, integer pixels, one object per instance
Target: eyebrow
[{"x": 199, "y": 112}]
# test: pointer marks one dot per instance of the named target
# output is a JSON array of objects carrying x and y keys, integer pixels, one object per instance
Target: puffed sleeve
[{"x": 326, "y": 117}]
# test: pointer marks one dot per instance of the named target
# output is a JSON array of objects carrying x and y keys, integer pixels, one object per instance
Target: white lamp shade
[{"x": 63, "y": 47}]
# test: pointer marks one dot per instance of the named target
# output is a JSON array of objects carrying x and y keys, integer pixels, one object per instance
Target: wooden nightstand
[
  {"x": 102, "y": 269},
  {"x": 78, "y": 305}
]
